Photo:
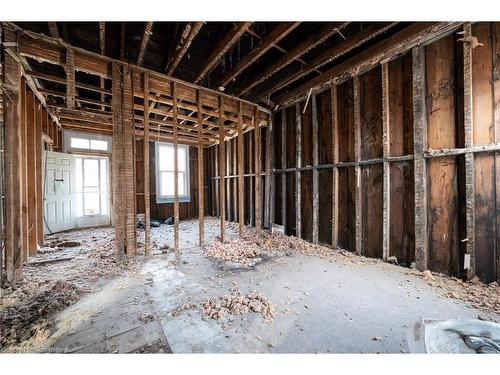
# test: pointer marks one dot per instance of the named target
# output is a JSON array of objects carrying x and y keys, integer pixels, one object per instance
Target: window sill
[{"x": 182, "y": 199}]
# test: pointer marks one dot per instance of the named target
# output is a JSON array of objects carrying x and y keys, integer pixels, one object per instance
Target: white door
[
  {"x": 59, "y": 190},
  {"x": 92, "y": 186}
]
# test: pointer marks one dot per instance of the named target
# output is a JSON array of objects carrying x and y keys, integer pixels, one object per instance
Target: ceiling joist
[
  {"x": 148, "y": 31},
  {"x": 187, "y": 37}
]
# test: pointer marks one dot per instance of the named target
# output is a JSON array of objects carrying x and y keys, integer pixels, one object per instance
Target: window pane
[
  {"x": 79, "y": 143},
  {"x": 96, "y": 144},
  {"x": 181, "y": 184},
  {"x": 167, "y": 183},
  {"x": 104, "y": 203},
  {"x": 166, "y": 155},
  {"x": 91, "y": 203},
  {"x": 90, "y": 172},
  {"x": 181, "y": 151},
  {"x": 104, "y": 175}
]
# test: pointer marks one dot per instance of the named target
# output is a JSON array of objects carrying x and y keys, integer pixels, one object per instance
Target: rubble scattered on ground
[
  {"x": 146, "y": 317},
  {"x": 482, "y": 296},
  {"x": 238, "y": 251},
  {"x": 31, "y": 304},
  {"x": 182, "y": 308},
  {"x": 26, "y": 308},
  {"x": 235, "y": 303}
]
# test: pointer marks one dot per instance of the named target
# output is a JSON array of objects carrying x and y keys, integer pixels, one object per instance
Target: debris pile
[
  {"x": 29, "y": 307},
  {"x": 482, "y": 296},
  {"x": 235, "y": 303},
  {"x": 237, "y": 251}
]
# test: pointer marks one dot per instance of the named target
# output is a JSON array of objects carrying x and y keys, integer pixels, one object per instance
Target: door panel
[{"x": 59, "y": 207}]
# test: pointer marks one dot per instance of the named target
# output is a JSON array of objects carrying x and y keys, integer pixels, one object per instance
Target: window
[
  {"x": 75, "y": 141},
  {"x": 91, "y": 186},
  {"x": 165, "y": 172}
]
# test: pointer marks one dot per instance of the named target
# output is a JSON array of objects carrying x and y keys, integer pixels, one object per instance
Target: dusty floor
[{"x": 331, "y": 303}]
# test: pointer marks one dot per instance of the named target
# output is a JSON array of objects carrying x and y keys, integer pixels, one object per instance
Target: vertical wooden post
[
  {"x": 228, "y": 180},
  {"x": 118, "y": 163},
  {"x": 222, "y": 170},
  {"x": 201, "y": 174},
  {"x": 298, "y": 156},
  {"x": 420, "y": 168},
  {"x": 39, "y": 113},
  {"x": 216, "y": 184},
  {"x": 251, "y": 165},
  {"x": 257, "y": 154},
  {"x": 176, "y": 167},
  {"x": 24, "y": 172},
  {"x": 147, "y": 198},
  {"x": 129, "y": 161},
  {"x": 235, "y": 180},
  {"x": 283, "y": 166},
  {"x": 469, "y": 261},
  {"x": 357, "y": 157},
  {"x": 12, "y": 157},
  {"x": 32, "y": 174},
  {"x": 241, "y": 172},
  {"x": 269, "y": 174},
  {"x": 335, "y": 176},
  {"x": 386, "y": 144},
  {"x": 69, "y": 67},
  {"x": 315, "y": 174}
]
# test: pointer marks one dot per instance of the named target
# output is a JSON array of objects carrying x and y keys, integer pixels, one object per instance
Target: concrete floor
[{"x": 322, "y": 305}]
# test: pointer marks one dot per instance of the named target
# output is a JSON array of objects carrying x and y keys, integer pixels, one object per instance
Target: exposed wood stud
[
  {"x": 258, "y": 159},
  {"x": 251, "y": 163},
  {"x": 187, "y": 37},
  {"x": 358, "y": 228},
  {"x": 201, "y": 174},
  {"x": 24, "y": 172},
  {"x": 386, "y": 144},
  {"x": 268, "y": 218},
  {"x": 335, "y": 176},
  {"x": 148, "y": 31},
  {"x": 420, "y": 169},
  {"x": 145, "y": 156},
  {"x": 222, "y": 172},
  {"x": 298, "y": 187},
  {"x": 241, "y": 171},
  {"x": 469, "y": 156},
  {"x": 70, "y": 78},
  {"x": 176, "y": 169},
  {"x": 12, "y": 158},
  {"x": 122, "y": 42},
  {"x": 220, "y": 50},
  {"x": 283, "y": 166},
  {"x": 315, "y": 174}
]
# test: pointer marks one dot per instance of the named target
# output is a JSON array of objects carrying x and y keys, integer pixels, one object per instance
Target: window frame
[
  {"x": 187, "y": 183},
  {"x": 68, "y": 135}
]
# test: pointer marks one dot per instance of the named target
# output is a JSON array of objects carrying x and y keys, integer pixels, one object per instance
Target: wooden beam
[
  {"x": 118, "y": 164},
  {"x": 469, "y": 261},
  {"x": 12, "y": 156},
  {"x": 331, "y": 54},
  {"x": 24, "y": 173},
  {"x": 283, "y": 166},
  {"x": 224, "y": 45},
  {"x": 241, "y": 171},
  {"x": 187, "y": 37},
  {"x": 176, "y": 170},
  {"x": 299, "y": 50},
  {"x": 54, "y": 31},
  {"x": 281, "y": 31},
  {"x": 420, "y": 168},
  {"x": 315, "y": 173},
  {"x": 102, "y": 48},
  {"x": 32, "y": 175},
  {"x": 258, "y": 156},
  {"x": 122, "y": 41},
  {"x": 148, "y": 31},
  {"x": 222, "y": 169},
  {"x": 298, "y": 158},
  {"x": 335, "y": 177},
  {"x": 70, "y": 78},
  {"x": 268, "y": 212},
  {"x": 201, "y": 176},
  {"x": 145, "y": 158},
  {"x": 400, "y": 42},
  {"x": 358, "y": 229},
  {"x": 386, "y": 151}
]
